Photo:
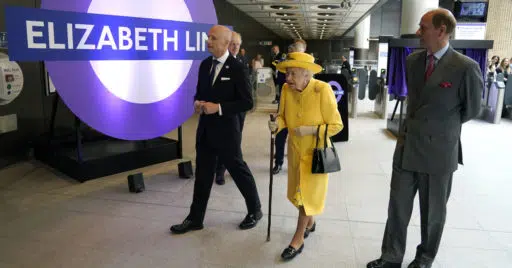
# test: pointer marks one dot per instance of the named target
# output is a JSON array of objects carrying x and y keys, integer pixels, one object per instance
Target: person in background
[
  {"x": 346, "y": 65},
  {"x": 306, "y": 106},
  {"x": 243, "y": 58},
  {"x": 277, "y": 57},
  {"x": 222, "y": 94},
  {"x": 234, "y": 48},
  {"x": 492, "y": 65},
  {"x": 445, "y": 89},
  {"x": 257, "y": 62},
  {"x": 495, "y": 62},
  {"x": 298, "y": 46},
  {"x": 504, "y": 68}
]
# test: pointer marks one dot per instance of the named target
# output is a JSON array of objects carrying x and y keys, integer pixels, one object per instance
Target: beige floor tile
[{"x": 48, "y": 220}]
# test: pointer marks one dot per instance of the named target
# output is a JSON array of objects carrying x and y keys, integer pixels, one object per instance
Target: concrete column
[
  {"x": 412, "y": 11},
  {"x": 361, "y": 39}
]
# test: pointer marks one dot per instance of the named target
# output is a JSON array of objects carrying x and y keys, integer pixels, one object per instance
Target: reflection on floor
[{"x": 50, "y": 221}]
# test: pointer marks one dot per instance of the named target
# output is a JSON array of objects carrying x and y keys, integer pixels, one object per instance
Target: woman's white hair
[{"x": 308, "y": 74}]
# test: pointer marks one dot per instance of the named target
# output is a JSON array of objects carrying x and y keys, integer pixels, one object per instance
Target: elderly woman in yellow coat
[{"x": 306, "y": 103}]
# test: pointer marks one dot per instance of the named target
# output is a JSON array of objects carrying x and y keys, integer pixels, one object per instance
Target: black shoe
[
  {"x": 380, "y": 263},
  {"x": 276, "y": 169},
  {"x": 185, "y": 226},
  {"x": 219, "y": 179},
  {"x": 251, "y": 220},
  {"x": 275, "y": 102},
  {"x": 418, "y": 264},
  {"x": 309, "y": 230},
  {"x": 290, "y": 252}
]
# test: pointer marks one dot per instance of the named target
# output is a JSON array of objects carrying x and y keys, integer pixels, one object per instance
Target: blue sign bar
[{"x": 49, "y": 35}]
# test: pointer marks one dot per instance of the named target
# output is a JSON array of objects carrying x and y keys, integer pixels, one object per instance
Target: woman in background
[{"x": 504, "y": 68}]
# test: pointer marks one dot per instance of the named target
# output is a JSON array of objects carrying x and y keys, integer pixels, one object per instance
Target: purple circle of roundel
[
  {"x": 339, "y": 90},
  {"x": 82, "y": 91}
]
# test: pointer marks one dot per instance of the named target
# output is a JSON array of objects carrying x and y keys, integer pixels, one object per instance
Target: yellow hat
[{"x": 299, "y": 60}]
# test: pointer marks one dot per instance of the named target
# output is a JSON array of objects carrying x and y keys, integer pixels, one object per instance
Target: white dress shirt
[
  {"x": 438, "y": 55},
  {"x": 219, "y": 66}
]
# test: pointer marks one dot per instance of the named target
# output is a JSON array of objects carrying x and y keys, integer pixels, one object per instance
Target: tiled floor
[{"x": 50, "y": 221}]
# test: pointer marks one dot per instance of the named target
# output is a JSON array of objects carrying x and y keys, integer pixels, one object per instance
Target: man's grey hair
[
  {"x": 235, "y": 35},
  {"x": 299, "y": 47}
]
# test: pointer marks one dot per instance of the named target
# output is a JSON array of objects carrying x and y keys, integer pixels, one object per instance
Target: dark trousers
[
  {"x": 221, "y": 169},
  {"x": 280, "y": 144},
  {"x": 434, "y": 191},
  {"x": 206, "y": 160},
  {"x": 278, "y": 91}
]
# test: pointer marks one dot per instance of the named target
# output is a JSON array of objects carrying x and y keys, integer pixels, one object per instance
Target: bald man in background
[
  {"x": 444, "y": 91},
  {"x": 234, "y": 48},
  {"x": 222, "y": 94}
]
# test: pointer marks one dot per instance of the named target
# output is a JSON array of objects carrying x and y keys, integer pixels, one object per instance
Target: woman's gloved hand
[
  {"x": 305, "y": 130},
  {"x": 272, "y": 126}
]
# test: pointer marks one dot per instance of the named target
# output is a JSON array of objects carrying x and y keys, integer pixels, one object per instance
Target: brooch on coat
[{"x": 445, "y": 85}]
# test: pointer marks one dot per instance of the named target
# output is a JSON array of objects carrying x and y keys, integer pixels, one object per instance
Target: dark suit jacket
[
  {"x": 436, "y": 110},
  {"x": 346, "y": 65},
  {"x": 231, "y": 91},
  {"x": 276, "y": 59},
  {"x": 243, "y": 60}
]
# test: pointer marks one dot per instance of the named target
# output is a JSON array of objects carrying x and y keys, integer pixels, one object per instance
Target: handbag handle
[
  {"x": 318, "y": 136},
  {"x": 325, "y": 137}
]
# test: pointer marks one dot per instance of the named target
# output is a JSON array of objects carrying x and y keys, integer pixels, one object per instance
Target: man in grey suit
[{"x": 444, "y": 89}]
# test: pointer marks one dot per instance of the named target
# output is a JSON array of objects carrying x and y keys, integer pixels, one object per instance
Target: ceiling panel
[{"x": 307, "y": 16}]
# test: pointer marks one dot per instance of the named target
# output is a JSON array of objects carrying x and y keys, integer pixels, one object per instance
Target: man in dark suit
[
  {"x": 345, "y": 65},
  {"x": 234, "y": 48},
  {"x": 243, "y": 57},
  {"x": 444, "y": 91},
  {"x": 222, "y": 94},
  {"x": 279, "y": 78}
]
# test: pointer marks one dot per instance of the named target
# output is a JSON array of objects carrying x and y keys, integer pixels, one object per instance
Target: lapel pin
[{"x": 227, "y": 66}]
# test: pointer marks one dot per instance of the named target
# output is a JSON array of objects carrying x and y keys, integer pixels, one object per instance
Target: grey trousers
[{"x": 434, "y": 191}]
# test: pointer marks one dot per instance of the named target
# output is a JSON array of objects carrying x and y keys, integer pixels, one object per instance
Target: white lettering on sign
[
  {"x": 88, "y": 29},
  {"x": 107, "y": 34},
  {"x": 127, "y": 38},
  {"x": 31, "y": 33}
]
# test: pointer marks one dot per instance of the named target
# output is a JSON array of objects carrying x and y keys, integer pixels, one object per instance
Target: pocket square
[
  {"x": 225, "y": 78},
  {"x": 445, "y": 85}
]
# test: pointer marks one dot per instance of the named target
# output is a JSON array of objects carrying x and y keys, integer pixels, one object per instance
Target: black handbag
[{"x": 325, "y": 160}]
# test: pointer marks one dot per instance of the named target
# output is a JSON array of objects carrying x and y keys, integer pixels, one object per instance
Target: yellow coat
[{"x": 315, "y": 105}]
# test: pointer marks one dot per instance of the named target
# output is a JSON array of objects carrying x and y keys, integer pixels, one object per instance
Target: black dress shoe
[
  {"x": 219, "y": 179},
  {"x": 418, "y": 264},
  {"x": 309, "y": 230},
  {"x": 276, "y": 169},
  {"x": 380, "y": 263},
  {"x": 290, "y": 252},
  {"x": 251, "y": 220},
  {"x": 185, "y": 226}
]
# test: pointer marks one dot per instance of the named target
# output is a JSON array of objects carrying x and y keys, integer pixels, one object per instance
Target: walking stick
[{"x": 272, "y": 142}]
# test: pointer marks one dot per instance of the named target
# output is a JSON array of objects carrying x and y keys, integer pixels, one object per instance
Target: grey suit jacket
[{"x": 429, "y": 141}]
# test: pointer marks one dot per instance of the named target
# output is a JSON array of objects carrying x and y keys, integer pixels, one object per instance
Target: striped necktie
[{"x": 430, "y": 67}]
